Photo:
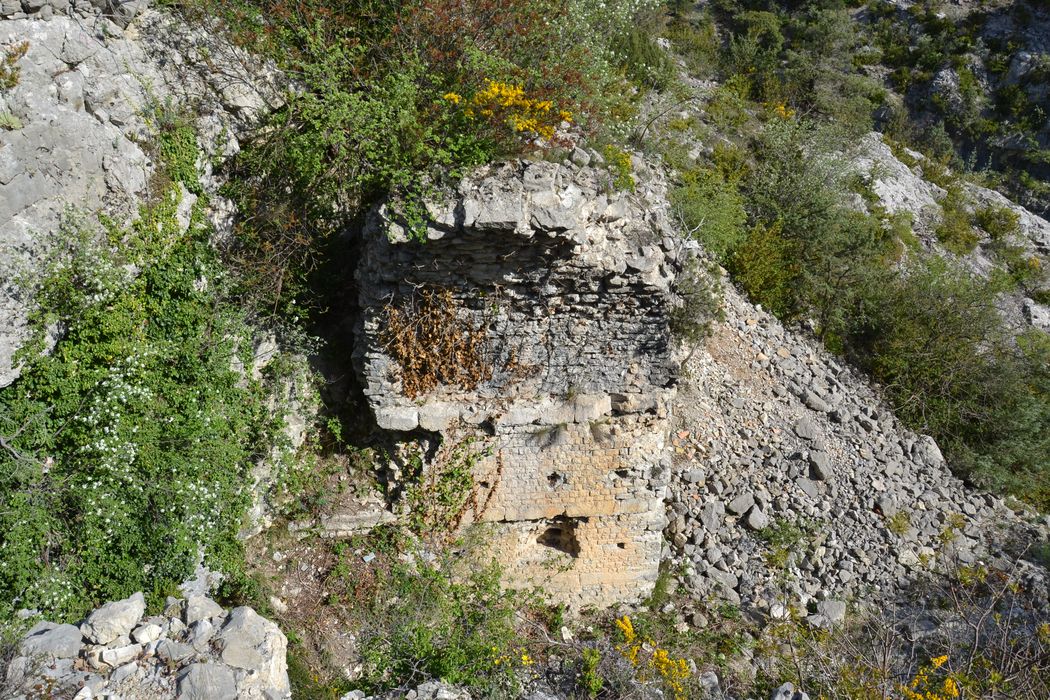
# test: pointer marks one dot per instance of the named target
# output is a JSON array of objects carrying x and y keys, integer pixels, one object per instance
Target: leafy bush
[
  {"x": 621, "y": 168},
  {"x": 127, "y": 447},
  {"x": 766, "y": 266},
  {"x": 700, "y": 291},
  {"x": 999, "y": 222},
  {"x": 448, "y": 621},
  {"x": 808, "y": 253},
  {"x": 955, "y": 231},
  {"x": 696, "y": 40},
  {"x": 10, "y": 72},
  {"x": 710, "y": 210},
  {"x": 935, "y": 339},
  {"x": 395, "y": 97},
  {"x": 644, "y": 62}
]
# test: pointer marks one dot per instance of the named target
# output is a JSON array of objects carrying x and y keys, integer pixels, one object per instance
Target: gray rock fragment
[
  {"x": 206, "y": 681},
  {"x": 114, "y": 620},
  {"x": 60, "y": 642},
  {"x": 740, "y": 504},
  {"x": 757, "y": 520},
  {"x": 806, "y": 429}
]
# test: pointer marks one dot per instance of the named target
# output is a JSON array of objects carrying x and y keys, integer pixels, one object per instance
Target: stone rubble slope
[
  {"x": 772, "y": 428},
  {"x": 195, "y": 650},
  {"x": 82, "y": 133}
]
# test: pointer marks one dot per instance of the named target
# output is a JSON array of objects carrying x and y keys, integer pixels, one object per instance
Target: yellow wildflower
[
  {"x": 452, "y": 97},
  {"x": 625, "y": 625}
]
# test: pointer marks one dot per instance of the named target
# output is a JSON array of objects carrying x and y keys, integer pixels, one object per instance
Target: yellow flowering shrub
[
  {"x": 507, "y": 104},
  {"x": 651, "y": 662},
  {"x": 922, "y": 687},
  {"x": 780, "y": 110}
]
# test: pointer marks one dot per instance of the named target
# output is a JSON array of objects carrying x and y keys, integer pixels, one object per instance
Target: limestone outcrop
[
  {"x": 83, "y": 114},
  {"x": 903, "y": 189},
  {"x": 563, "y": 288},
  {"x": 194, "y": 650}
]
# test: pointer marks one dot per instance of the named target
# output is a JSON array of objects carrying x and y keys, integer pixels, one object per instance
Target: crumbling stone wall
[{"x": 571, "y": 284}]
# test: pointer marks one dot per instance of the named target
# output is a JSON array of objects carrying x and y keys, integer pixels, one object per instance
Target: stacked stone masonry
[{"x": 572, "y": 283}]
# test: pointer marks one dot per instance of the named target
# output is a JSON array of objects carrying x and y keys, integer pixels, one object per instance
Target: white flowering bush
[{"x": 126, "y": 448}]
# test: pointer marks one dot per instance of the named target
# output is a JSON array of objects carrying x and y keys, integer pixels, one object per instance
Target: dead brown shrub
[{"x": 434, "y": 342}]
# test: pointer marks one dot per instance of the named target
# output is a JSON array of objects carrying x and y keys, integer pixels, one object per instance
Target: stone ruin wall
[{"x": 572, "y": 283}]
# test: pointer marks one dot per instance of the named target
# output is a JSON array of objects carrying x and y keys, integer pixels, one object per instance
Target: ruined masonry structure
[{"x": 572, "y": 284}]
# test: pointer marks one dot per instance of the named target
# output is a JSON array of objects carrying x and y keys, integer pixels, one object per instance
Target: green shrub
[
  {"x": 754, "y": 51},
  {"x": 395, "y": 98},
  {"x": 590, "y": 678},
  {"x": 766, "y": 266},
  {"x": 784, "y": 538},
  {"x": 935, "y": 340},
  {"x": 439, "y": 622},
  {"x": 10, "y": 72},
  {"x": 955, "y": 231},
  {"x": 696, "y": 40},
  {"x": 711, "y": 210},
  {"x": 999, "y": 222},
  {"x": 9, "y": 122},
  {"x": 700, "y": 291},
  {"x": 128, "y": 446},
  {"x": 621, "y": 168},
  {"x": 645, "y": 63}
]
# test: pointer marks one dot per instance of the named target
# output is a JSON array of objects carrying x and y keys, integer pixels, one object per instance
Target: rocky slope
[
  {"x": 773, "y": 430},
  {"x": 773, "y": 441},
  {"x": 195, "y": 650},
  {"x": 901, "y": 188}
]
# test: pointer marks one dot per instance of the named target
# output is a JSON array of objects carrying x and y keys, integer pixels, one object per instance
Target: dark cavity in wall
[{"x": 561, "y": 535}]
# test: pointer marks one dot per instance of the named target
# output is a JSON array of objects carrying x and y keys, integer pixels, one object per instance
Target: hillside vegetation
[
  {"x": 773, "y": 196},
  {"x": 129, "y": 442}
]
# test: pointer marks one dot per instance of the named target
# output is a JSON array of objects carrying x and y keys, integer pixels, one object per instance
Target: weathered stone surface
[
  {"x": 740, "y": 504},
  {"x": 245, "y": 658},
  {"x": 121, "y": 655},
  {"x": 575, "y": 305},
  {"x": 207, "y": 681},
  {"x": 757, "y": 520},
  {"x": 114, "y": 620},
  {"x": 819, "y": 466},
  {"x": 199, "y": 608},
  {"x": 61, "y": 641},
  {"x": 833, "y": 610},
  {"x": 83, "y": 139}
]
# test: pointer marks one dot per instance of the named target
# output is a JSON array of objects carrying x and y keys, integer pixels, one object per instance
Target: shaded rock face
[
  {"x": 571, "y": 287},
  {"x": 195, "y": 649}
]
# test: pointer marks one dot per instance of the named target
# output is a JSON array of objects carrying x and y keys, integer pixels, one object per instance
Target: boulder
[
  {"x": 58, "y": 641},
  {"x": 114, "y": 620},
  {"x": 207, "y": 681}
]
